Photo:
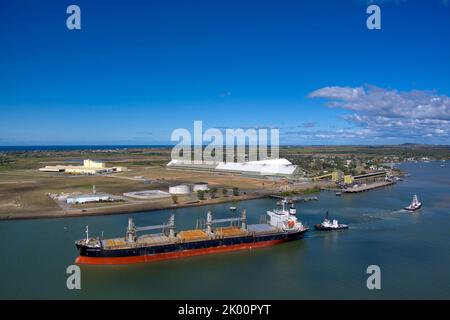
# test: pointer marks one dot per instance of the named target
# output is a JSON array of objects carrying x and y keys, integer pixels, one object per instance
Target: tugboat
[
  {"x": 415, "y": 204},
  {"x": 328, "y": 225}
]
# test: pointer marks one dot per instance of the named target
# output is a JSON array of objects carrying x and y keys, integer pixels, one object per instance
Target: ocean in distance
[{"x": 80, "y": 147}]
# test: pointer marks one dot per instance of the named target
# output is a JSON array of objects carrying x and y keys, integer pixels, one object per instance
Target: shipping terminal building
[{"x": 268, "y": 169}]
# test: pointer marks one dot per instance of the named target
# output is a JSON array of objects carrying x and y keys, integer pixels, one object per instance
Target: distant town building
[{"x": 88, "y": 167}]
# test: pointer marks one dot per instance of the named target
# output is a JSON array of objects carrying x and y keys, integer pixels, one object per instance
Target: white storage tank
[
  {"x": 180, "y": 189},
  {"x": 203, "y": 186}
]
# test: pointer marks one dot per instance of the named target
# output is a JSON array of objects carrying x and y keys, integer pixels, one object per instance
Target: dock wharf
[
  {"x": 295, "y": 198},
  {"x": 361, "y": 188}
]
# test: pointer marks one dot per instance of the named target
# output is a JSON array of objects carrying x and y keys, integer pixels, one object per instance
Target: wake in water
[
  {"x": 386, "y": 215},
  {"x": 369, "y": 218},
  {"x": 364, "y": 221}
]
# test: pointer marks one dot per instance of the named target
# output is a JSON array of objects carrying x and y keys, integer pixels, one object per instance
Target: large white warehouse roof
[
  {"x": 264, "y": 167},
  {"x": 268, "y": 167}
]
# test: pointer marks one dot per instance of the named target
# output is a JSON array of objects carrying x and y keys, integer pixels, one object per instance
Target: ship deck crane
[{"x": 132, "y": 229}]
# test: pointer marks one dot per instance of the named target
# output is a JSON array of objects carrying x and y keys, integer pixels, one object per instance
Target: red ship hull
[{"x": 174, "y": 255}]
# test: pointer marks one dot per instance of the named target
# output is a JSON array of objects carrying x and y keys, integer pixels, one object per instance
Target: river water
[{"x": 412, "y": 250}]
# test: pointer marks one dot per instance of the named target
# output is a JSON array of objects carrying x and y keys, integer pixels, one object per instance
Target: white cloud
[
  {"x": 385, "y": 102},
  {"x": 343, "y": 93},
  {"x": 388, "y": 113}
]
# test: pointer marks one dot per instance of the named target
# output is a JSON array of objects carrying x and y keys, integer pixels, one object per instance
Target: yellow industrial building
[
  {"x": 338, "y": 176},
  {"x": 334, "y": 176},
  {"x": 88, "y": 167}
]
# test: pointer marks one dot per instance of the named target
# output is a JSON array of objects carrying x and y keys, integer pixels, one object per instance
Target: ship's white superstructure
[{"x": 283, "y": 219}]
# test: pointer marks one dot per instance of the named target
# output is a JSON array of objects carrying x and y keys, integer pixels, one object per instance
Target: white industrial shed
[
  {"x": 264, "y": 168},
  {"x": 275, "y": 167},
  {"x": 86, "y": 198}
]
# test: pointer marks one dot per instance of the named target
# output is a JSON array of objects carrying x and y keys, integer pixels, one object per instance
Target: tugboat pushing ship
[{"x": 276, "y": 227}]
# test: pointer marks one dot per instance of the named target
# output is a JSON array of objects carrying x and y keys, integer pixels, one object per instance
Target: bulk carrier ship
[{"x": 276, "y": 227}]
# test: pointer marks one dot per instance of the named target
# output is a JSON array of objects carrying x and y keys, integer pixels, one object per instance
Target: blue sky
[{"x": 139, "y": 69}]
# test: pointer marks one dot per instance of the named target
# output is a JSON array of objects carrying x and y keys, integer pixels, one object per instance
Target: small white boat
[
  {"x": 414, "y": 205},
  {"x": 233, "y": 208}
]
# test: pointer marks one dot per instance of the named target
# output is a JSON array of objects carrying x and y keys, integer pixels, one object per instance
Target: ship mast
[
  {"x": 172, "y": 226},
  {"x": 131, "y": 231},
  {"x": 209, "y": 221},
  {"x": 244, "y": 220}
]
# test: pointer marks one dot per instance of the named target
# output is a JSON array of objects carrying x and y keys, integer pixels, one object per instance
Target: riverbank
[{"x": 126, "y": 208}]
